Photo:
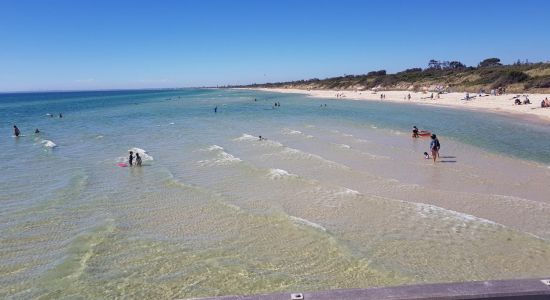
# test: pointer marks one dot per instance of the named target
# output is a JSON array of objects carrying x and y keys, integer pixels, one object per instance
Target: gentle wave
[
  {"x": 246, "y": 137},
  {"x": 249, "y": 138},
  {"x": 301, "y": 221},
  {"x": 347, "y": 192},
  {"x": 222, "y": 157},
  {"x": 428, "y": 210},
  {"x": 214, "y": 148},
  {"x": 288, "y": 131},
  {"x": 48, "y": 144},
  {"x": 279, "y": 174},
  {"x": 305, "y": 155}
]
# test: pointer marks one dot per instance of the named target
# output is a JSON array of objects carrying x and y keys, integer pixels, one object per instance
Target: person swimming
[
  {"x": 131, "y": 158},
  {"x": 16, "y": 131},
  {"x": 60, "y": 115},
  {"x": 261, "y": 138},
  {"x": 36, "y": 131},
  {"x": 138, "y": 160}
]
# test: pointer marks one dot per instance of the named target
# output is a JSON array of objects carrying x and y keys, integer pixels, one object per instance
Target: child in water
[
  {"x": 131, "y": 158},
  {"x": 138, "y": 160}
]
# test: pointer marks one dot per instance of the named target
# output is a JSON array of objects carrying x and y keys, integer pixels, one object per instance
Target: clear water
[{"x": 336, "y": 197}]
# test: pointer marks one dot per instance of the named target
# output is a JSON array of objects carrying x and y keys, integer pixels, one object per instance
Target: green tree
[{"x": 490, "y": 62}]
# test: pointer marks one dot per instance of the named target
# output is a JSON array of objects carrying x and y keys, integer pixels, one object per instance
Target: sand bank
[{"x": 503, "y": 104}]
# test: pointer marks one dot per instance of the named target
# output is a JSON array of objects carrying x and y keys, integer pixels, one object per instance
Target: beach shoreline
[{"x": 502, "y": 105}]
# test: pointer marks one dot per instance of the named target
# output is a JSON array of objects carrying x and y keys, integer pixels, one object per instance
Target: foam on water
[
  {"x": 347, "y": 192},
  {"x": 292, "y": 152},
  {"x": 249, "y": 138},
  {"x": 279, "y": 174},
  {"x": 246, "y": 137},
  {"x": 291, "y": 131},
  {"x": 222, "y": 157},
  {"x": 215, "y": 148},
  {"x": 302, "y": 221},
  {"x": 48, "y": 144},
  {"x": 428, "y": 210}
]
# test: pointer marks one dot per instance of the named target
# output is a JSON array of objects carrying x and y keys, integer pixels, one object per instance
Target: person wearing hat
[{"x": 434, "y": 146}]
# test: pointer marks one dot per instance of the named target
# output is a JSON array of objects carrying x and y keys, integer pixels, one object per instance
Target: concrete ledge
[{"x": 524, "y": 289}]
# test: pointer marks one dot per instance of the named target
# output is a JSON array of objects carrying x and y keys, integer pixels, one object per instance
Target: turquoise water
[
  {"x": 491, "y": 132},
  {"x": 337, "y": 197}
]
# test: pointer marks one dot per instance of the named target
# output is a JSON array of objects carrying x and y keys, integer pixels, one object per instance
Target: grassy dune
[{"x": 455, "y": 77}]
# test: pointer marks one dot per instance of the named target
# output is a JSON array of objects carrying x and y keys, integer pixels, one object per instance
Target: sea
[{"x": 336, "y": 194}]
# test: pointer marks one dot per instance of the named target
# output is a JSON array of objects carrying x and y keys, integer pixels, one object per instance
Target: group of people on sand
[
  {"x": 435, "y": 145},
  {"x": 131, "y": 159},
  {"x": 340, "y": 95},
  {"x": 545, "y": 103},
  {"x": 517, "y": 100}
]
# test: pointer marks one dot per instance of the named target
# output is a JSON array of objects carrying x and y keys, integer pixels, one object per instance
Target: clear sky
[{"x": 78, "y": 44}]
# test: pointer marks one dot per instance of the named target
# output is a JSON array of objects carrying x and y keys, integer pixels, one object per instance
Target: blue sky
[{"x": 81, "y": 45}]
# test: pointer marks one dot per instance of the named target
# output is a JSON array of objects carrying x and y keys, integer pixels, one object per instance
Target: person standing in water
[
  {"x": 131, "y": 158},
  {"x": 434, "y": 146},
  {"x": 60, "y": 115},
  {"x": 36, "y": 131},
  {"x": 216, "y": 110},
  {"x": 16, "y": 131},
  {"x": 415, "y": 132},
  {"x": 138, "y": 160}
]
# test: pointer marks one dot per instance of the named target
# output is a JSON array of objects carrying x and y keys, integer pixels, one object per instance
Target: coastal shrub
[
  {"x": 510, "y": 77},
  {"x": 377, "y": 73},
  {"x": 412, "y": 70},
  {"x": 491, "y": 75},
  {"x": 539, "y": 82},
  {"x": 490, "y": 62}
]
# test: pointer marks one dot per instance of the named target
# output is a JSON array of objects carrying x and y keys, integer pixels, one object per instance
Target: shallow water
[{"x": 336, "y": 197}]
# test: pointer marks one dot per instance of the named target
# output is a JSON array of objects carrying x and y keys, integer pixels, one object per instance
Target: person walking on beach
[
  {"x": 131, "y": 158},
  {"x": 434, "y": 146},
  {"x": 138, "y": 160},
  {"x": 16, "y": 131}
]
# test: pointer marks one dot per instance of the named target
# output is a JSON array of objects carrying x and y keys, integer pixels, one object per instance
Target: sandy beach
[{"x": 503, "y": 104}]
